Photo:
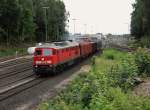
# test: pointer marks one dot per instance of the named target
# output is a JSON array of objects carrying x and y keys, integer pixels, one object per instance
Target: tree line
[
  {"x": 140, "y": 20},
  {"x": 28, "y": 20}
]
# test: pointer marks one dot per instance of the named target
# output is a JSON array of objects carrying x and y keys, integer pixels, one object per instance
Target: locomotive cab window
[
  {"x": 38, "y": 52},
  {"x": 47, "y": 52}
]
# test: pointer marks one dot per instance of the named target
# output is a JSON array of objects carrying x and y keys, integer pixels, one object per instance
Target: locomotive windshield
[
  {"x": 47, "y": 52},
  {"x": 43, "y": 52}
]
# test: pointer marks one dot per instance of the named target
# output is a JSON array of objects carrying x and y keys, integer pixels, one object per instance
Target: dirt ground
[{"x": 143, "y": 89}]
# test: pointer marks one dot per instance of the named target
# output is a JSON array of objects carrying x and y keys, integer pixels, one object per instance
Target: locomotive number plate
[{"x": 43, "y": 62}]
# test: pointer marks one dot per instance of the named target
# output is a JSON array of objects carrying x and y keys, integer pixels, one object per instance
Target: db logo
[{"x": 42, "y": 59}]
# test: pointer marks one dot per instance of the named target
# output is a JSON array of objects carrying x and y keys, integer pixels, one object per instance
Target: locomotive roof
[{"x": 58, "y": 45}]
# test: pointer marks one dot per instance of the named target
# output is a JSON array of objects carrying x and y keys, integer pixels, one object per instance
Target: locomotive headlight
[
  {"x": 42, "y": 59},
  {"x": 49, "y": 62}
]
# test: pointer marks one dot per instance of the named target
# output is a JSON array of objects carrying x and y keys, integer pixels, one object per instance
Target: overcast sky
[{"x": 105, "y": 16}]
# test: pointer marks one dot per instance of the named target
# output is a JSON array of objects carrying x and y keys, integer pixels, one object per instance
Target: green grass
[
  {"x": 112, "y": 54},
  {"x": 12, "y": 51},
  {"x": 102, "y": 65}
]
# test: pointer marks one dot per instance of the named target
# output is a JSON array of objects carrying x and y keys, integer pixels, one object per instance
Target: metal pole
[
  {"x": 91, "y": 29},
  {"x": 128, "y": 26},
  {"x": 57, "y": 36},
  {"x": 85, "y": 28},
  {"x": 74, "y": 25},
  {"x": 46, "y": 26}
]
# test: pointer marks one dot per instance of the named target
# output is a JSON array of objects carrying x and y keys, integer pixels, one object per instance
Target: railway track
[
  {"x": 18, "y": 87},
  {"x": 2, "y": 59},
  {"x": 7, "y": 72},
  {"x": 13, "y": 63},
  {"x": 15, "y": 76},
  {"x": 6, "y": 58}
]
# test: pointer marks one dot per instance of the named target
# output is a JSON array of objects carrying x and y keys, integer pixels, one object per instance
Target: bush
[
  {"x": 123, "y": 74},
  {"x": 145, "y": 41},
  {"x": 142, "y": 58},
  {"x": 112, "y": 54},
  {"x": 115, "y": 99}
]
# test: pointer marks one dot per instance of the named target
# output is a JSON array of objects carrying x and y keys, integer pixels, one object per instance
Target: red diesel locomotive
[
  {"x": 54, "y": 56},
  {"x": 51, "y": 57}
]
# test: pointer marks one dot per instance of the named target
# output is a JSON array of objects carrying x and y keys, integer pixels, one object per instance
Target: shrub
[
  {"x": 142, "y": 58},
  {"x": 145, "y": 41},
  {"x": 115, "y": 99},
  {"x": 109, "y": 54},
  {"x": 128, "y": 70},
  {"x": 123, "y": 75}
]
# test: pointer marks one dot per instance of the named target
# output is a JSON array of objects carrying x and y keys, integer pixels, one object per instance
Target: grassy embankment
[
  {"x": 12, "y": 51},
  {"x": 108, "y": 86},
  {"x": 20, "y": 48}
]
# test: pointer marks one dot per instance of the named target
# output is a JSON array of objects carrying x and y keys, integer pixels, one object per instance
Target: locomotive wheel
[
  {"x": 54, "y": 71},
  {"x": 60, "y": 68},
  {"x": 36, "y": 72}
]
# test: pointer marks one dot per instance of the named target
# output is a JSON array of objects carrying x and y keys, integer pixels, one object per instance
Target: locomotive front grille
[{"x": 43, "y": 68}]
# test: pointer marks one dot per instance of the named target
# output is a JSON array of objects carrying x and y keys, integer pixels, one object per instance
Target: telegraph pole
[
  {"x": 74, "y": 20},
  {"x": 128, "y": 26},
  {"x": 46, "y": 24},
  {"x": 85, "y": 26},
  {"x": 91, "y": 29}
]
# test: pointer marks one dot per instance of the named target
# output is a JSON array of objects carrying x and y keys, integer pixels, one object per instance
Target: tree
[
  {"x": 9, "y": 16},
  {"x": 146, "y": 17},
  {"x": 140, "y": 21},
  {"x": 39, "y": 20},
  {"x": 57, "y": 18},
  {"x": 24, "y": 20},
  {"x": 27, "y": 26},
  {"x": 137, "y": 19}
]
